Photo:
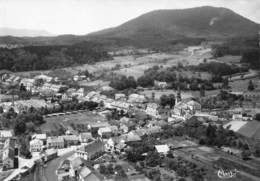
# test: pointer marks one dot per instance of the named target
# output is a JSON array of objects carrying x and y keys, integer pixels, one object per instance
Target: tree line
[{"x": 50, "y": 57}]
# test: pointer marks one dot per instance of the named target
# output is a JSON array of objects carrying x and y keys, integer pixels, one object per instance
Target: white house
[
  {"x": 36, "y": 145},
  {"x": 187, "y": 107},
  {"x": 28, "y": 83},
  {"x": 136, "y": 98},
  {"x": 162, "y": 149},
  {"x": 6, "y": 134},
  {"x": 152, "y": 110},
  {"x": 42, "y": 137},
  {"x": 55, "y": 142},
  {"x": 161, "y": 85},
  {"x": 43, "y": 77},
  {"x": 79, "y": 93}
]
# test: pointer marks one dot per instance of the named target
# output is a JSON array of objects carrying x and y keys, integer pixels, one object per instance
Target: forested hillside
[{"x": 50, "y": 57}]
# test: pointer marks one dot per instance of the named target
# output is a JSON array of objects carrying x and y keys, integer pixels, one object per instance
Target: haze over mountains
[
  {"x": 161, "y": 27},
  {"x": 5, "y": 31}
]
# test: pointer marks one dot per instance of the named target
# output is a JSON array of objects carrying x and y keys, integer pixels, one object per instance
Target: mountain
[
  {"x": 161, "y": 28},
  {"x": 168, "y": 26},
  {"x": 5, "y": 31}
]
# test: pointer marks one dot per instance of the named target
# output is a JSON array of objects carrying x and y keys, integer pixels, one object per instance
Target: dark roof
[
  {"x": 92, "y": 177},
  {"x": 94, "y": 147},
  {"x": 138, "y": 178},
  {"x": 9, "y": 143}
]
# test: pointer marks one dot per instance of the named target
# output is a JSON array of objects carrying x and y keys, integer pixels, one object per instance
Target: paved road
[{"x": 52, "y": 166}]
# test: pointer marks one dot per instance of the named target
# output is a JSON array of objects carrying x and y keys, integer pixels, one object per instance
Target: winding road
[{"x": 50, "y": 170}]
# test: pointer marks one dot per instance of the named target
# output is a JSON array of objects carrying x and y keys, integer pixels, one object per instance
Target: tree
[
  {"x": 167, "y": 100},
  {"x": 19, "y": 127},
  {"x": 225, "y": 83},
  {"x": 153, "y": 159},
  {"x": 171, "y": 100},
  {"x": 13, "y": 90},
  {"x": 164, "y": 100},
  {"x": 145, "y": 81},
  {"x": 181, "y": 171},
  {"x": 245, "y": 154},
  {"x": 251, "y": 86},
  {"x": 22, "y": 88},
  {"x": 257, "y": 116}
]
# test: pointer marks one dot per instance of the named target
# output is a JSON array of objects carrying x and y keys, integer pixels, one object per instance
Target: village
[{"x": 76, "y": 132}]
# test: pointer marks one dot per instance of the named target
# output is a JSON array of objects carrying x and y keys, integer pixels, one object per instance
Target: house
[
  {"x": 136, "y": 98},
  {"x": 36, "y": 145},
  {"x": 79, "y": 77},
  {"x": 70, "y": 139},
  {"x": 139, "y": 177},
  {"x": 120, "y": 142},
  {"x": 85, "y": 137},
  {"x": 120, "y": 97},
  {"x": 207, "y": 116},
  {"x": 43, "y": 77},
  {"x": 4, "y": 134},
  {"x": 85, "y": 174},
  {"x": 148, "y": 131},
  {"x": 162, "y": 149},
  {"x": 105, "y": 132},
  {"x": 52, "y": 87},
  {"x": 123, "y": 128},
  {"x": 42, "y": 137},
  {"x": 131, "y": 137},
  {"x": 79, "y": 93},
  {"x": 4, "y": 74},
  {"x": 10, "y": 154},
  {"x": 152, "y": 110},
  {"x": 252, "y": 95},
  {"x": 28, "y": 83},
  {"x": 160, "y": 85},
  {"x": 55, "y": 142},
  {"x": 187, "y": 107},
  {"x": 231, "y": 151},
  {"x": 238, "y": 117},
  {"x": 120, "y": 105},
  {"x": 92, "y": 150}
]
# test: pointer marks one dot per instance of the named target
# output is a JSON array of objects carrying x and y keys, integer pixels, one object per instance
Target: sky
[{"x": 84, "y": 16}]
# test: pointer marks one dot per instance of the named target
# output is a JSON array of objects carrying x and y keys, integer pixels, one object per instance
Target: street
[{"x": 52, "y": 166}]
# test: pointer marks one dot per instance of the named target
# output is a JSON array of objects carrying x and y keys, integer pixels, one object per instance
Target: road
[{"x": 52, "y": 166}]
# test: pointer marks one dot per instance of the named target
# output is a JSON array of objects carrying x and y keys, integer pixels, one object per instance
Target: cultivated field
[{"x": 134, "y": 65}]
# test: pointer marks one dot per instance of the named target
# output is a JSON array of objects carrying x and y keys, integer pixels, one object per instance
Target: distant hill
[
  {"x": 161, "y": 28},
  {"x": 167, "y": 26},
  {"x": 5, "y": 31}
]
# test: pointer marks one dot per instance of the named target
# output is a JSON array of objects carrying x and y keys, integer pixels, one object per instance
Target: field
[
  {"x": 133, "y": 65},
  {"x": 229, "y": 59},
  {"x": 241, "y": 85},
  {"x": 166, "y": 60},
  {"x": 53, "y": 124}
]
